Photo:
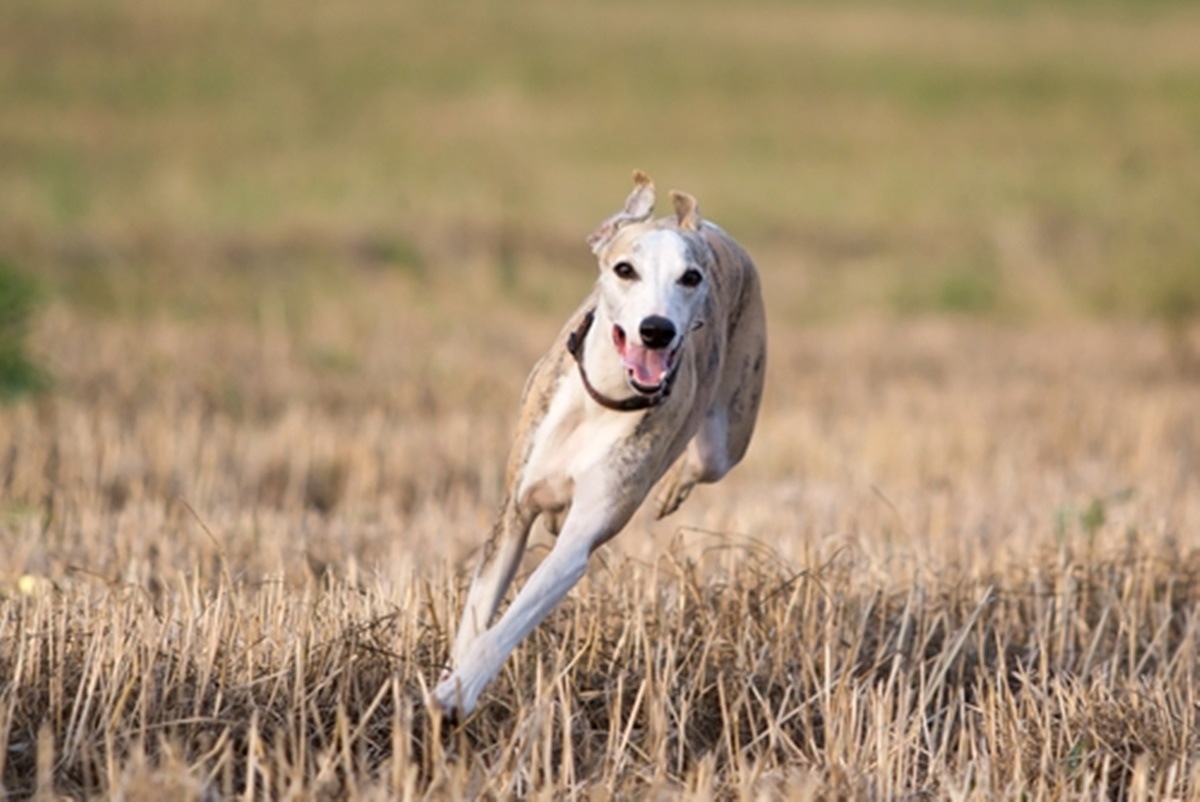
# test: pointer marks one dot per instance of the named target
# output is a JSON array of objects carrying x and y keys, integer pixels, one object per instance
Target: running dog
[{"x": 658, "y": 373}]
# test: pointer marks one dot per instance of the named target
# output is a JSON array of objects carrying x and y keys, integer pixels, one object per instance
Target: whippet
[{"x": 662, "y": 365}]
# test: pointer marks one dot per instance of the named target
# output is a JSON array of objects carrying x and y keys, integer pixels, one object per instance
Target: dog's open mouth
[{"x": 648, "y": 369}]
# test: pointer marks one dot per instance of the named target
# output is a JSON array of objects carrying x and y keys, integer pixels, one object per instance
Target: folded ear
[
  {"x": 638, "y": 207},
  {"x": 687, "y": 209}
]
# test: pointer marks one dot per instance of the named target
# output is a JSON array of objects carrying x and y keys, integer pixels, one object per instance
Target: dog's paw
[
  {"x": 448, "y": 698},
  {"x": 674, "y": 494}
]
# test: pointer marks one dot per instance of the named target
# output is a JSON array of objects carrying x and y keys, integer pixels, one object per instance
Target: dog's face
[
  {"x": 653, "y": 282},
  {"x": 654, "y": 279}
]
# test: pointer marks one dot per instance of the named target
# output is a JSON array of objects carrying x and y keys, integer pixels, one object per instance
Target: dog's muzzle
[
  {"x": 650, "y": 364},
  {"x": 650, "y": 376}
]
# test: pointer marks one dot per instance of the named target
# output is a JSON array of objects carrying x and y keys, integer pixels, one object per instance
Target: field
[{"x": 294, "y": 261}]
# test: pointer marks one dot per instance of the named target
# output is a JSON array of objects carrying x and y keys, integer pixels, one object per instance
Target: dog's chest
[{"x": 572, "y": 439}]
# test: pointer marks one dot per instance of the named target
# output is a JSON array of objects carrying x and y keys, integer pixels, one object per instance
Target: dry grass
[{"x": 961, "y": 562}]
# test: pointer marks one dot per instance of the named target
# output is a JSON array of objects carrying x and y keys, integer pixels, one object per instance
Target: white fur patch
[{"x": 574, "y": 436}]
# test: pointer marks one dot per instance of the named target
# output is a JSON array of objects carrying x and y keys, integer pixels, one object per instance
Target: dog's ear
[
  {"x": 638, "y": 207},
  {"x": 687, "y": 209}
]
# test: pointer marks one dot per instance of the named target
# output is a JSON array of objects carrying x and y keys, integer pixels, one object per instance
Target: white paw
[
  {"x": 449, "y": 698},
  {"x": 673, "y": 496}
]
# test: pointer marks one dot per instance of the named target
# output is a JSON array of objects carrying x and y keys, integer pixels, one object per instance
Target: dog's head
[{"x": 654, "y": 278}]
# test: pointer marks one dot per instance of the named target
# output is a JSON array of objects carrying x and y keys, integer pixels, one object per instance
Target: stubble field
[
  {"x": 958, "y": 561},
  {"x": 296, "y": 266}
]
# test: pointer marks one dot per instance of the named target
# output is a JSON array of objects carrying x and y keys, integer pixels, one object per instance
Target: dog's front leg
[
  {"x": 594, "y": 517},
  {"x": 705, "y": 460},
  {"x": 497, "y": 564}
]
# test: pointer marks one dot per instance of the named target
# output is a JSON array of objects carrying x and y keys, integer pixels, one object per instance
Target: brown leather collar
[{"x": 634, "y": 403}]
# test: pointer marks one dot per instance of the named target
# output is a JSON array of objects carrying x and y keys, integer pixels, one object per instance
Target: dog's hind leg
[{"x": 497, "y": 564}]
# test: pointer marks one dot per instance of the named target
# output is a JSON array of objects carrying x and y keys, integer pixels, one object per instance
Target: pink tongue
[{"x": 648, "y": 366}]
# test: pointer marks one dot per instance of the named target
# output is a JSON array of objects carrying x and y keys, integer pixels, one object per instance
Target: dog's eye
[
  {"x": 691, "y": 277},
  {"x": 625, "y": 271}
]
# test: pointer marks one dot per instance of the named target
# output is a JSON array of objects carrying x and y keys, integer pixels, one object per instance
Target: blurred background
[
  {"x": 299, "y": 256},
  {"x": 998, "y": 157}
]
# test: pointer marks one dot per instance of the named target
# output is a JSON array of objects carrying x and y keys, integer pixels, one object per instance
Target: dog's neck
[{"x": 600, "y": 368}]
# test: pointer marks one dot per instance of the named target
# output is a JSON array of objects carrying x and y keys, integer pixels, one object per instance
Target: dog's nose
[{"x": 657, "y": 331}]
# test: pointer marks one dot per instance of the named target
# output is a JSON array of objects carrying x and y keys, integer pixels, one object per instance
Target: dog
[{"x": 658, "y": 373}]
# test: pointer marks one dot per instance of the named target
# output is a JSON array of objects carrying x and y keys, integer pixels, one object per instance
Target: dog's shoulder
[{"x": 728, "y": 254}]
